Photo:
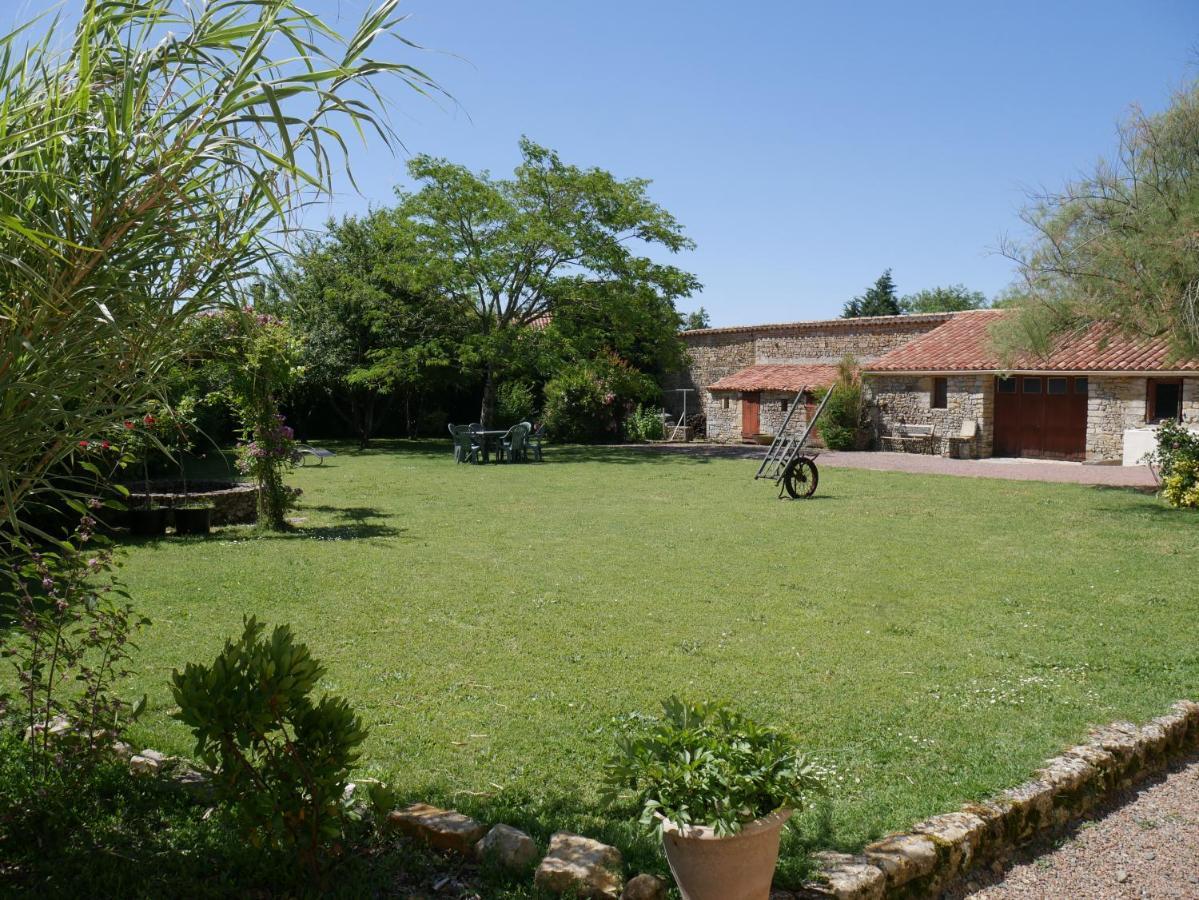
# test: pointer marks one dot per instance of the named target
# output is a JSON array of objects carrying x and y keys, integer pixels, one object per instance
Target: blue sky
[{"x": 805, "y": 146}]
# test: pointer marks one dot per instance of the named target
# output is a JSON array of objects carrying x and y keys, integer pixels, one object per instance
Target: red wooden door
[
  {"x": 750, "y": 419},
  {"x": 1007, "y": 417},
  {"x": 1041, "y": 416}
]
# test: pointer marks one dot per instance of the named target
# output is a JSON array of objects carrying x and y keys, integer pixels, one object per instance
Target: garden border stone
[
  {"x": 233, "y": 502},
  {"x": 940, "y": 850}
]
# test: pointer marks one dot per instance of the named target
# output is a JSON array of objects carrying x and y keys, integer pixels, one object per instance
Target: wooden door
[
  {"x": 1007, "y": 417},
  {"x": 751, "y": 405}
]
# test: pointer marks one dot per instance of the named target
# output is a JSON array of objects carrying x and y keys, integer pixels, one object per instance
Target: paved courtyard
[{"x": 1013, "y": 469}]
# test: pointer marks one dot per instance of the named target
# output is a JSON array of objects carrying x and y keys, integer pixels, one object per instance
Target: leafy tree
[
  {"x": 149, "y": 164},
  {"x": 368, "y": 326},
  {"x": 881, "y": 299},
  {"x": 696, "y": 319},
  {"x": 954, "y": 298},
  {"x": 502, "y": 251},
  {"x": 1118, "y": 246}
]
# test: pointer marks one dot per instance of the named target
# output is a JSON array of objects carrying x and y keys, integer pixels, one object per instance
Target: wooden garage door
[{"x": 1043, "y": 416}]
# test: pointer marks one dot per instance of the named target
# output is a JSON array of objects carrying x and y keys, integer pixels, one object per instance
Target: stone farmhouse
[{"x": 938, "y": 370}]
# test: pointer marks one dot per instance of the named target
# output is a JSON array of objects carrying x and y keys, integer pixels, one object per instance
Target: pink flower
[
  {"x": 83, "y": 444},
  {"x": 129, "y": 426},
  {"x": 106, "y": 444},
  {"x": 148, "y": 420}
]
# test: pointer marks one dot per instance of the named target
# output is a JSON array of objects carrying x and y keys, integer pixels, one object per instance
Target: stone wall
[
  {"x": 232, "y": 503},
  {"x": 724, "y": 424},
  {"x": 1114, "y": 403},
  {"x": 1190, "y": 401},
  {"x": 716, "y": 353},
  {"x": 906, "y": 399}
]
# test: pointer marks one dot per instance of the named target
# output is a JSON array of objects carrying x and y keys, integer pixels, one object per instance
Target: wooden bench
[{"x": 905, "y": 438}]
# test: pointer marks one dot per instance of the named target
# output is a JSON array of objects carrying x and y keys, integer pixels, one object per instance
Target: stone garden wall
[
  {"x": 906, "y": 400},
  {"x": 233, "y": 503},
  {"x": 933, "y": 854}
]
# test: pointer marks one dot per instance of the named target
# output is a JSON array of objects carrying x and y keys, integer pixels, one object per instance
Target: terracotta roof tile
[
  {"x": 777, "y": 378},
  {"x": 823, "y": 324},
  {"x": 963, "y": 345}
]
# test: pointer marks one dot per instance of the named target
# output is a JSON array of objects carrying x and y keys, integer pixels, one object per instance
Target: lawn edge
[{"x": 938, "y": 851}]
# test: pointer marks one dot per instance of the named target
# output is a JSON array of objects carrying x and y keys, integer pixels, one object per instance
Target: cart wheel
[{"x": 800, "y": 478}]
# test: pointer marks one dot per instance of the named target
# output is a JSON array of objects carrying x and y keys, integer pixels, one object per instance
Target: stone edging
[{"x": 938, "y": 851}]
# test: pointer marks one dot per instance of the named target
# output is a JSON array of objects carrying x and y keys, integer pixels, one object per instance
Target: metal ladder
[{"x": 785, "y": 448}]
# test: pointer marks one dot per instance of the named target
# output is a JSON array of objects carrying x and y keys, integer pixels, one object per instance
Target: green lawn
[{"x": 932, "y": 638}]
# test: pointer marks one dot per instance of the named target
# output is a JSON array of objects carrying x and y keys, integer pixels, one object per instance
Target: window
[
  {"x": 1164, "y": 401},
  {"x": 1032, "y": 385},
  {"x": 1005, "y": 385},
  {"x": 1058, "y": 385},
  {"x": 724, "y": 403},
  {"x": 940, "y": 395},
  {"x": 783, "y": 404},
  {"x": 1081, "y": 386}
]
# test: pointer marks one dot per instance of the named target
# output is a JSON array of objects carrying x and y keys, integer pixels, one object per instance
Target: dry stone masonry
[{"x": 942, "y": 849}]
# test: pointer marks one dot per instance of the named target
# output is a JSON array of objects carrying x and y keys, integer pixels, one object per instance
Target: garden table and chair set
[{"x": 475, "y": 444}]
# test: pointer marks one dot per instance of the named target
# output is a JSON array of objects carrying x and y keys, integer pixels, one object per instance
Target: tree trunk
[
  {"x": 365, "y": 414},
  {"x": 487, "y": 413}
]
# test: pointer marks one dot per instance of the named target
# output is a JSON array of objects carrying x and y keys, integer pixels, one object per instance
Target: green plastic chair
[
  {"x": 465, "y": 448},
  {"x": 533, "y": 441},
  {"x": 512, "y": 445}
]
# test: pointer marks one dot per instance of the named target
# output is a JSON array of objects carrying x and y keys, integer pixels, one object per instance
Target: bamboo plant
[{"x": 150, "y": 167}]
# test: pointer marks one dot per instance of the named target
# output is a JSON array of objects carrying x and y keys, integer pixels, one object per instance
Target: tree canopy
[
  {"x": 880, "y": 299},
  {"x": 953, "y": 298},
  {"x": 510, "y": 255},
  {"x": 1119, "y": 246}
]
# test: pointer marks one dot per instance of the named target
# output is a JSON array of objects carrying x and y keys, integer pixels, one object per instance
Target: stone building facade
[
  {"x": 717, "y": 353},
  {"x": 939, "y": 371}
]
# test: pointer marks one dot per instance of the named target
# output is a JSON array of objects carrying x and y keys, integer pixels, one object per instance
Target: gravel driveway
[{"x": 1147, "y": 847}]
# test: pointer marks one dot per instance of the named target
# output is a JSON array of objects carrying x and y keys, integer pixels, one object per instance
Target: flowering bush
[
  {"x": 249, "y": 357},
  {"x": 1177, "y": 460}
]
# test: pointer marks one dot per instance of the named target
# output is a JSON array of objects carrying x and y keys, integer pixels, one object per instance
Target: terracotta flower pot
[{"x": 736, "y": 867}]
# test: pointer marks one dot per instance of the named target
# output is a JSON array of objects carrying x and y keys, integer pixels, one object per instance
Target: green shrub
[
  {"x": 515, "y": 402},
  {"x": 280, "y": 761},
  {"x": 644, "y": 424},
  {"x": 706, "y": 764},
  {"x": 1177, "y": 459},
  {"x": 845, "y": 413},
  {"x": 588, "y": 400}
]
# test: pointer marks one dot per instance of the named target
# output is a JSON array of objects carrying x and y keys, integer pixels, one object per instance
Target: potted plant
[
  {"x": 193, "y": 517},
  {"x": 719, "y": 788}
]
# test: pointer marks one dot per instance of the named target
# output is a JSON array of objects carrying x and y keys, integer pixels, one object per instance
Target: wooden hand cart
[{"x": 788, "y": 461}]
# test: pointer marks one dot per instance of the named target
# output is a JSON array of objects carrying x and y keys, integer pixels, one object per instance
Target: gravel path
[
  {"x": 1148, "y": 847},
  {"x": 1013, "y": 469}
]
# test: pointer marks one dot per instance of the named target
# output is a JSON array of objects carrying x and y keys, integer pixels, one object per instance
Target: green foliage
[
  {"x": 369, "y": 326},
  {"x": 149, "y": 159},
  {"x": 696, "y": 319},
  {"x": 706, "y": 764},
  {"x": 505, "y": 252},
  {"x": 250, "y": 361},
  {"x": 1117, "y": 246},
  {"x": 515, "y": 402},
  {"x": 644, "y": 424},
  {"x": 844, "y": 415},
  {"x": 281, "y": 761},
  {"x": 1177, "y": 459},
  {"x": 881, "y": 299},
  {"x": 588, "y": 400},
  {"x": 70, "y": 645},
  {"x": 954, "y": 298}
]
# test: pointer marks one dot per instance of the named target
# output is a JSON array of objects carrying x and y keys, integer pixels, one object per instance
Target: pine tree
[{"x": 879, "y": 300}]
